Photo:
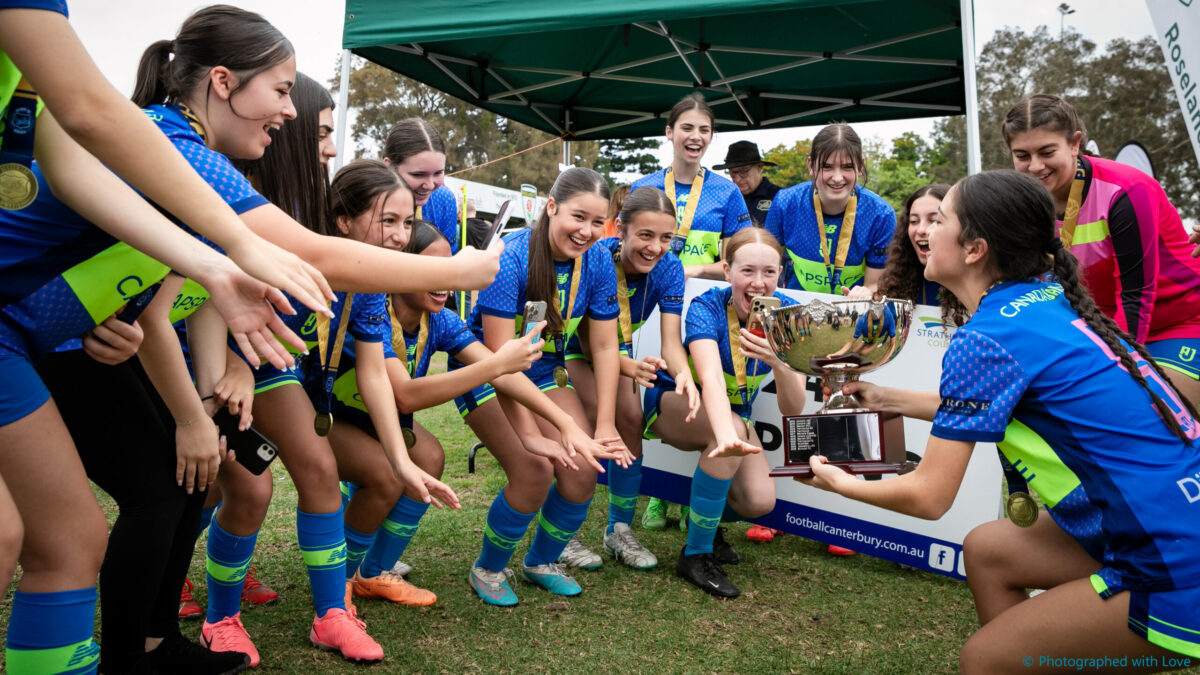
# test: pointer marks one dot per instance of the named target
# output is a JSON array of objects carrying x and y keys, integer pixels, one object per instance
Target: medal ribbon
[
  {"x": 560, "y": 350},
  {"x": 683, "y": 225},
  {"x": 735, "y": 352},
  {"x": 192, "y": 120},
  {"x": 844, "y": 238},
  {"x": 1074, "y": 201},
  {"x": 331, "y": 358},
  {"x": 624, "y": 321},
  {"x": 19, "y": 122},
  {"x": 401, "y": 346}
]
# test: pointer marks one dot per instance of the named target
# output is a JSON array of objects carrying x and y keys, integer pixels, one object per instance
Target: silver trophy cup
[{"x": 836, "y": 342}]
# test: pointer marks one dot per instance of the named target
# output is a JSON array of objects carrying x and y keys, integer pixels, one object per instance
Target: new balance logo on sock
[{"x": 85, "y": 652}]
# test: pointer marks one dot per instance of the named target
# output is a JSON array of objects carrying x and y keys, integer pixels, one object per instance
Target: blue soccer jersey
[
  {"x": 1026, "y": 356},
  {"x": 874, "y": 329},
  {"x": 793, "y": 221},
  {"x": 596, "y": 297},
  {"x": 720, "y": 212},
  {"x": 442, "y": 210},
  {"x": 662, "y": 288},
  {"x": 707, "y": 320},
  {"x": 447, "y": 333},
  {"x": 60, "y": 276}
]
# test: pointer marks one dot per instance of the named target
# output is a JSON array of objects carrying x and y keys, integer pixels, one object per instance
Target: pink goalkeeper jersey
[{"x": 1134, "y": 254}]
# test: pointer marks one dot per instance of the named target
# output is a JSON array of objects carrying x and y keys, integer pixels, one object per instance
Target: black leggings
[{"x": 126, "y": 439}]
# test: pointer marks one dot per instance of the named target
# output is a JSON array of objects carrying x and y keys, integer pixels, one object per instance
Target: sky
[{"x": 115, "y": 34}]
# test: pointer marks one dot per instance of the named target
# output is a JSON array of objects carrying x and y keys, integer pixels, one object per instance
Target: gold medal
[
  {"x": 560, "y": 376},
  {"x": 410, "y": 437},
  {"x": 322, "y": 423},
  {"x": 18, "y": 186},
  {"x": 1021, "y": 509}
]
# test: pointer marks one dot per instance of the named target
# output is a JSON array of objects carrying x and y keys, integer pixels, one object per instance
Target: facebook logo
[{"x": 941, "y": 557}]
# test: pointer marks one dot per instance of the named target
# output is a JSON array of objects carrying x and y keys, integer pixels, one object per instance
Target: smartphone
[
  {"x": 252, "y": 450},
  {"x": 535, "y": 311},
  {"x": 502, "y": 216},
  {"x": 757, "y": 305}
]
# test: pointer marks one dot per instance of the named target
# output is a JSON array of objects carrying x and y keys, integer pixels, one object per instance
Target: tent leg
[
  {"x": 343, "y": 103},
  {"x": 974, "y": 154}
]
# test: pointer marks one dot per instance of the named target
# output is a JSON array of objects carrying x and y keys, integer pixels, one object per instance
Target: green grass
[{"x": 801, "y": 610}]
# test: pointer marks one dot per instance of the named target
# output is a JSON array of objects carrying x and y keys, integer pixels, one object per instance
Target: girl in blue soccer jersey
[
  {"x": 554, "y": 262},
  {"x": 422, "y": 326},
  {"x": 1116, "y": 438},
  {"x": 730, "y": 363},
  {"x": 709, "y": 208},
  {"x": 836, "y": 232},
  {"x": 415, "y": 149},
  {"x": 648, "y": 276}
]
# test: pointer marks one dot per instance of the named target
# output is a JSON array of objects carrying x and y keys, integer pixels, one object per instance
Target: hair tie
[
  {"x": 171, "y": 47},
  {"x": 1054, "y": 246}
]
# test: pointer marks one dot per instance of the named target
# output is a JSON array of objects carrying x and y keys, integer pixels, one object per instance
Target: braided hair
[{"x": 1014, "y": 214}]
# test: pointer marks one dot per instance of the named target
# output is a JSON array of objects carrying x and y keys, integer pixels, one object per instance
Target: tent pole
[
  {"x": 343, "y": 103},
  {"x": 967, "y": 15}
]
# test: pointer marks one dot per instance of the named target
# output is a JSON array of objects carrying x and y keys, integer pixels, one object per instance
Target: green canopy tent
[{"x": 592, "y": 69}]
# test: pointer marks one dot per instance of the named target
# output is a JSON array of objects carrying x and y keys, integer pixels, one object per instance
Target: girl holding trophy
[{"x": 1084, "y": 387}]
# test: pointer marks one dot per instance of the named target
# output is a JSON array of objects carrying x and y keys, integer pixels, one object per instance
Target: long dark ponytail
[
  {"x": 220, "y": 35},
  {"x": 1014, "y": 213},
  {"x": 542, "y": 283}
]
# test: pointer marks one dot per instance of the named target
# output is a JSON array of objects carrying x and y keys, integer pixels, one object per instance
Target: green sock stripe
[
  {"x": 500, "y": 542},
  {"x": 555, "y": 532},
  {"x": 224, "y": 574},
  {"x": 704, "y": 522},
  {"x": 325, "y": 558},
  {"x": 622, "y": 501},
  {"x": 78, "y": 657},
  {"x": 400, "y": 529}
]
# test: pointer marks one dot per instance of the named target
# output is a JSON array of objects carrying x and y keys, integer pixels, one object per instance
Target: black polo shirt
[{"x": 759, "y": 201}]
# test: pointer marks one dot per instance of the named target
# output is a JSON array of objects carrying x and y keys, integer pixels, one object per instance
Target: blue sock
[
  {"x": 395, "y": 533},
  {"x": 708, "y": 502},
  {"x": 505, "y": 528},
  {"x": 348, "y": 490},
  {"x": 52, "y": 632},
  {"x": 206, "y": 516},
  {"x": 357, "y": 544},
  {"x": 557, "y": 523},
  {"x": 730, "y": 516},
  {"x": 323, "y": 545},
  {"x": 228, "y": 560},
  {"x": 623, "y": 488}
]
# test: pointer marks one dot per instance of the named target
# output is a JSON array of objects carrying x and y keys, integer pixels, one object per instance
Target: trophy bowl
[{"x": 837, "y": 341}]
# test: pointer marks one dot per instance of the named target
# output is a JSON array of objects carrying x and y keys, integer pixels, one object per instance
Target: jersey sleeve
[
  {"x": 602, "y": 286},
  {"x": 1133, "y": 226},
  {"x": 442, "y": 211},
  {"x": 504, "y": 295},
  {"x": 452, "y": 333},
  {"x": 981, "y": 386},
  {"x": 369, "y": 318},
  {"x": 704, "y": 320},
  {"x": 218, "y": 172},
  {"x": 673, "y": 282},
  {"x": 883, "y": 227},
  {"x": 736, "y": 215}
]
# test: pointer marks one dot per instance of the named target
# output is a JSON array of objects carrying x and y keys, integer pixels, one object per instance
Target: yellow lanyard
[
  {"x": 417, "y": 213},
  {"x": 192, "y": 120},
  {"x": 735, "y": 353},
  {"x": 331, "y": 359},
  {"x": 1074, "y": 201},
  {"x": 559, "y": 343},
  {"x": 624, "y": 321},
  {"x": 683, "y": 225},
  {"x": 843, "y": 246},
  {"x": 400, "y": 346}
]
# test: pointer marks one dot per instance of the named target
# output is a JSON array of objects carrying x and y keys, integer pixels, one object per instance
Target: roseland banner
[
  {"x": 1177, "y": 27},
  {"x": 935, "y": 546}
]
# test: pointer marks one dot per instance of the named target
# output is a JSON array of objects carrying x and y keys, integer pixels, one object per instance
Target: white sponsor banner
[
  {"x": 1177, "y": 27},
  {"x": 827, "y": 517}
]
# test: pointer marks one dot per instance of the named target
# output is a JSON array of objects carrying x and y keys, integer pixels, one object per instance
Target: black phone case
[{"x": 252, "y": 450}]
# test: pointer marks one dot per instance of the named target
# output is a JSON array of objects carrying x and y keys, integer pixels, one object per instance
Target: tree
[
  {"x": 1122, "y": 94},
  {"x": 473, "y": 136},
  {"x": 790, "y": 168},
  {"x": 628, "y": 156}
]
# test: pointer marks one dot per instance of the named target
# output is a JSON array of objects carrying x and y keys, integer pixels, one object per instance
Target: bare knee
[
  {"x": 12, "y": 532},
  {"x": 978, "y": 655},
  {"x": 981, "y": 554}
]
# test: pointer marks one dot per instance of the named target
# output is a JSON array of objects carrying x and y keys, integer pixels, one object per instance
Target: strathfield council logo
[{"x": 934, "y": 331}]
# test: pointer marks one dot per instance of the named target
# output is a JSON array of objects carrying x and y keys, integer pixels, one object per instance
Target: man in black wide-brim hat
[{"x": 745, "y": 169}]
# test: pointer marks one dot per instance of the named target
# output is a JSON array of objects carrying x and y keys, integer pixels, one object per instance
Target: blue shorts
[
  {"x": 1167, "y": 618},
  {"x": 1181, "y": 355},
  {"x": 652, "y": 404},
  {"x": 484, "y": 392},
  {"x": 268, "y": 377},
  {"x": 23, "y": 391}
]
